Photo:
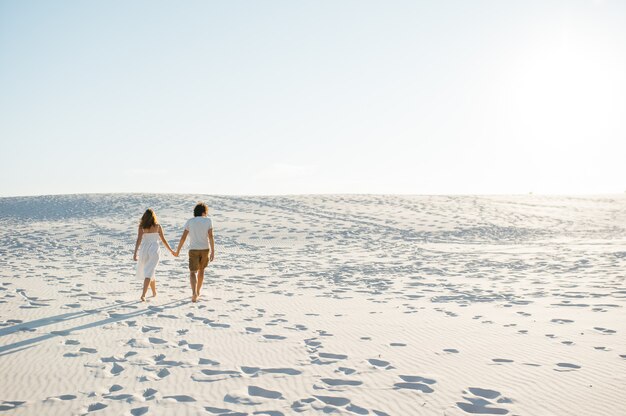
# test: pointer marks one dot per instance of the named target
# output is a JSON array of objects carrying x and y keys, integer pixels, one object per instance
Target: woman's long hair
[{"x": 149, "y": 219}]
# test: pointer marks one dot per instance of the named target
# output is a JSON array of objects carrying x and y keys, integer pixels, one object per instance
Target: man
[{"x": 201, "y": 246}]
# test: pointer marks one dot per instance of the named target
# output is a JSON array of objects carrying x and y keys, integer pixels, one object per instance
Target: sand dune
[{"x": 355, "y": 305}]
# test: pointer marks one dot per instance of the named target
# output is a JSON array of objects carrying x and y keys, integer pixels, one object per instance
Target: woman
[{"x": 148, "y": 238}]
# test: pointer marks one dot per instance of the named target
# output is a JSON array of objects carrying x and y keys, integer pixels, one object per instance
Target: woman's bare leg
[
  {"x": 146, "y": 283},
  {"x": 153, "y": 287}
]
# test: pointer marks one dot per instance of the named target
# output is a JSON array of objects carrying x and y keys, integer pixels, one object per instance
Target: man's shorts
[{"x": 198, "y": 259}]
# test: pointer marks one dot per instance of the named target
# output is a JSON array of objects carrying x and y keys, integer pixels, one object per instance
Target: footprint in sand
[
  {"x": 149, "y": 394},
  {"x": 195, "y": 347},
  {"x": 72, "y": 354},
  {"x": 261, "y": 392},
  {"x": 138, "y": 343},
  {"x": 63, "y": 397},
  {"x": 181, "y": 398},
  {"x": 240, "y": 399},
  {"x": 331, "y": 404},
  {"x": 451, "y": 350},
  {"x": 416, "y": 383},
  {"x": 480, "y": 401},
  {"x": 9, "y": 405},
  {"x": 122, "y": 397},
  {"x": 96, "y": 406},
  {"x": 113, "y": 359},
  {"x": 300, "y": 405},
  {"x": 334, "y": 382},
  {"x": 139, "y": 411},
  {"x": 345, "y": 370},
  {"x": 561, "y": 321},
  {"x": 255, "y": 371},
  {"x": 380, "y": 363},
  {"x": 116, "y": 369},
  {"x": 324, "y": 358},
  {"x": 148, "y": 328},
  {"x": 277, "y": 337},
  {"x": 332, "y": 356},
  {"x": 206, "y": 361},
  {"x": 562, "y": 367},
  {"x": 214, "y": 375},
  {"x": 218, "y": 325},
  {"x": 219, "y": 410},
  {"x": 251, "y": 371},
  {"x": 80, "y": 352},
  {"x": 312, "y": 343},
  {"x": 604, "y": 331},
  {"x": 333, "y": 401},
  {"x": 501, "y": 360}
]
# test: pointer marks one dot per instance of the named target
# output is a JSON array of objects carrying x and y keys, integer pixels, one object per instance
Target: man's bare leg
[
  {"x": 146, "y": 283},
  {"x": 192, "y": 280},
  {"x": 200, "y": 281},
  {"x": 153, "y": 287}
]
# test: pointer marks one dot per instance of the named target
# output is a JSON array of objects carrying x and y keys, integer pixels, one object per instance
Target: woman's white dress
[{"x": 148, "y": 255}]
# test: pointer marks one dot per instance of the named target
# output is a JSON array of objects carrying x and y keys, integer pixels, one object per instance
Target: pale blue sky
[{"x": 287, "y": 97}]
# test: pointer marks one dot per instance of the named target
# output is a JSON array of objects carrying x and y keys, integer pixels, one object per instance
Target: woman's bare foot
[
  {"x": 143, "y": 298},
  {"x": 154, "y": 294},
  {"x": 194, "y": 298}
]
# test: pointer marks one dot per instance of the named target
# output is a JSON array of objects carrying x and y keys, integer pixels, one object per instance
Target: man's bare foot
[
  {"x": 143, "y": 298},
  {"x": 194, "y": 298},
  {"x": 154, "y": 294}
]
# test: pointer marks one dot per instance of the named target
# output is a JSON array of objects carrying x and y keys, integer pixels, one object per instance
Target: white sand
[{"x": 346, "y": 304}]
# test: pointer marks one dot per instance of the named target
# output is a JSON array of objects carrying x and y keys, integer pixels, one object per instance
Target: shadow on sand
[{"x": 113, "y": 318}]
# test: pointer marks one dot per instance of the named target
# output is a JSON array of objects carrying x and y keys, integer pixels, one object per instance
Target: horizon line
[{"x": 572, "y": 194}]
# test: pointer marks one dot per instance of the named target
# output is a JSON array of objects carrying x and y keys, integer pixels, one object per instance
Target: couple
[{"x": 201, "y": 248}]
